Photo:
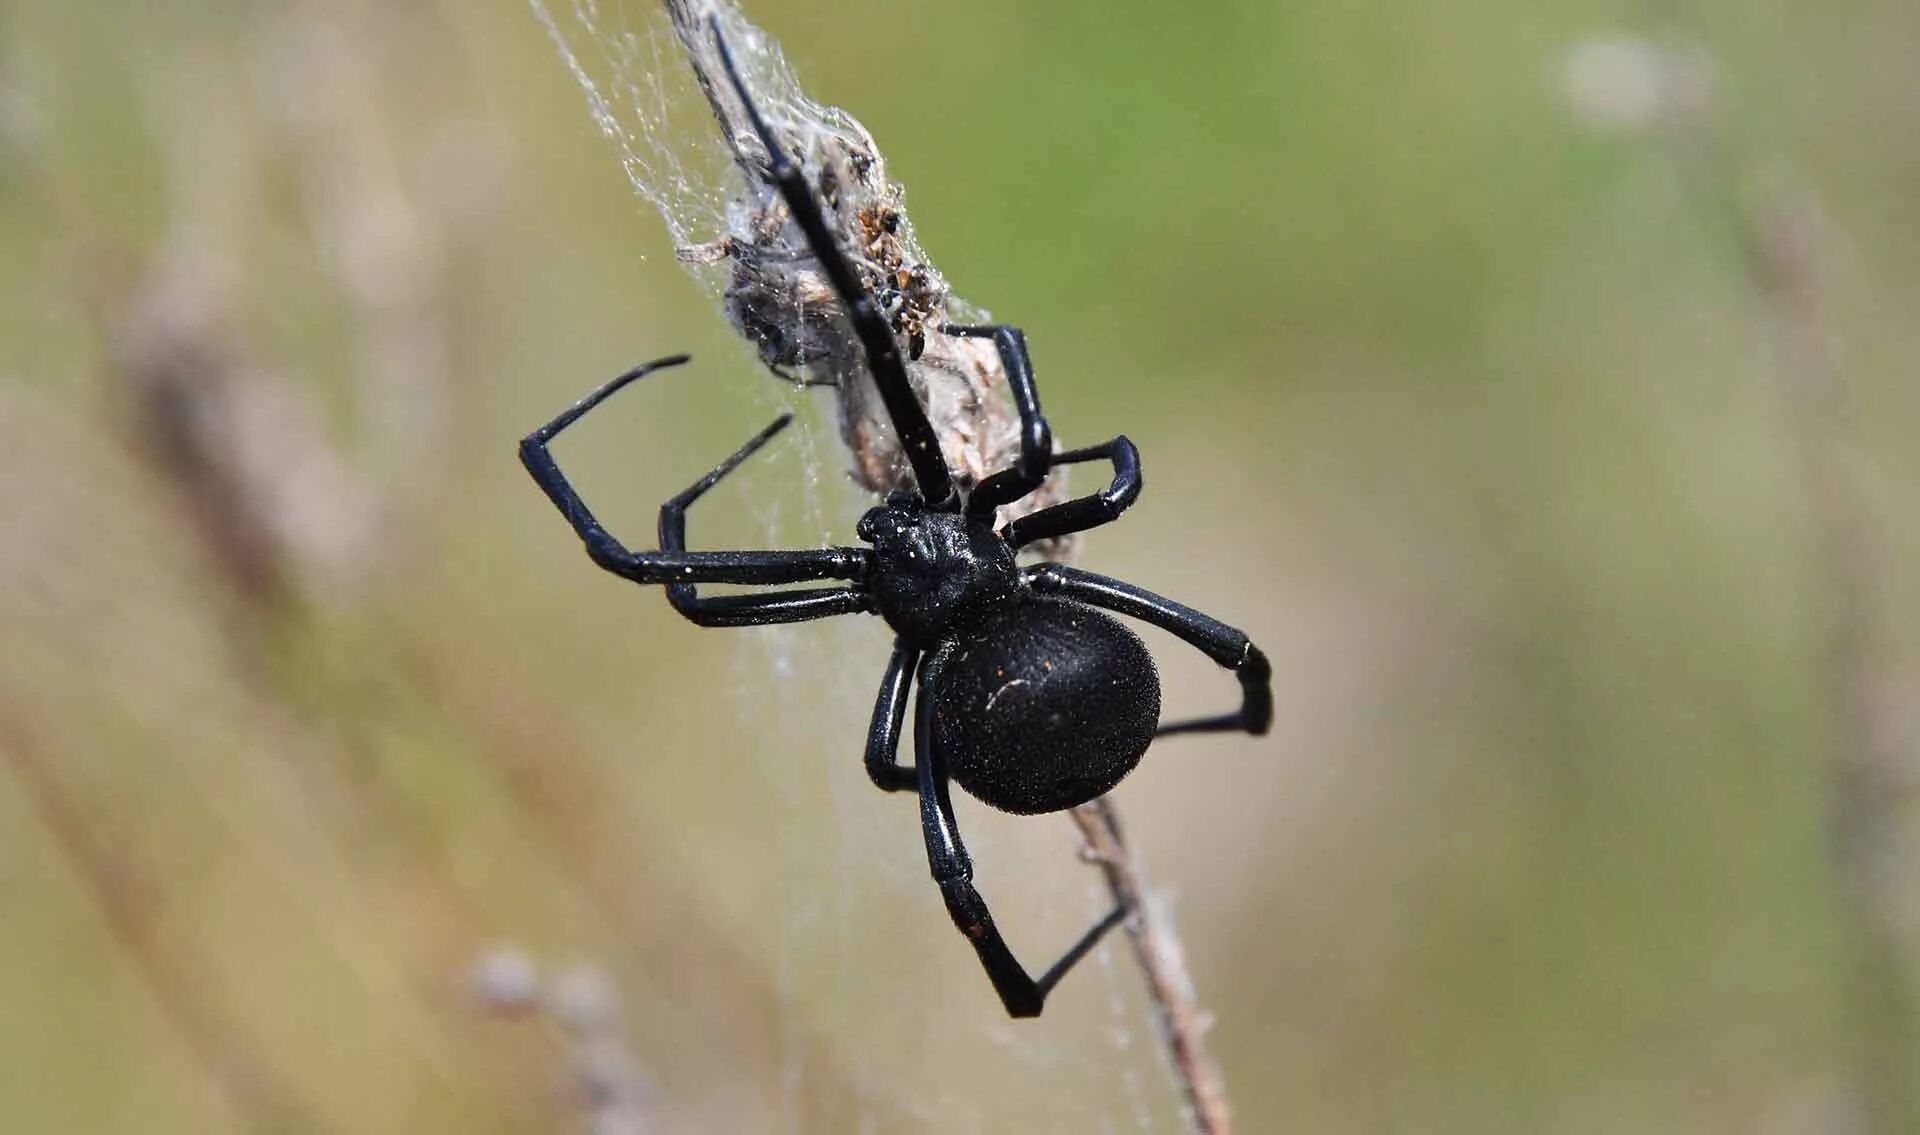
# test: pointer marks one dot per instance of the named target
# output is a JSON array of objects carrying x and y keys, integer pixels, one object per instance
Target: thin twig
[
  {"x": 1781, "y": 231},
  {"x": 130, "y": 898},
  {"x": 1782, "y": 234},
  {"x": 1163, "y": 962}
]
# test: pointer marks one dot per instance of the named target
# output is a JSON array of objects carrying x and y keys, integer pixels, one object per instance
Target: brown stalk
[
  {"x": 1156, "y": 948},
  {"x": 1783, "y": 241},
  {"x": 1781, "y": 231},
  {"x": 127, "y": 897}
]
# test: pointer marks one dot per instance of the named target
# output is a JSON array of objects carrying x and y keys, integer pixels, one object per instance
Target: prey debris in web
[{"x": 732, "y": 230}]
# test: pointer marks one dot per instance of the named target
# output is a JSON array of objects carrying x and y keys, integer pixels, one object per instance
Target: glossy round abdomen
[{"x": 1042, "y": 705}]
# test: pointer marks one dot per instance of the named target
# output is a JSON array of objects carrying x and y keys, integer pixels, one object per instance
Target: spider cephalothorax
[
  {"x": 1031, "y": 696},
  {"x": 932, "y": 570}
]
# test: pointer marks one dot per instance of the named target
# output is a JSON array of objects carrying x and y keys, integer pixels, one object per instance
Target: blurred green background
[{"x": 1566, "y": 471}]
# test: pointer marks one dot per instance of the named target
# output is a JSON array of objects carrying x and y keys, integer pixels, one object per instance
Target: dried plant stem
[
  {"x": 1156, "y": 947},
  {"x": 1777, "y": 231},
  {"x": 1781, "y": 234},
  {"x": 128, "y": 899}
]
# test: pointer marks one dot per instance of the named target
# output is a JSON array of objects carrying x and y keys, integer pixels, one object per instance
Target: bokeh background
[{"x": 1533, "y": 381}]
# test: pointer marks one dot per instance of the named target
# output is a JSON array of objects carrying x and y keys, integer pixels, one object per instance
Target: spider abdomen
[{"x": 1043, "y": 704}]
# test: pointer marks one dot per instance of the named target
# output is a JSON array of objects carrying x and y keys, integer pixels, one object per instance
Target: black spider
[{"x": 1029, "y": 697}]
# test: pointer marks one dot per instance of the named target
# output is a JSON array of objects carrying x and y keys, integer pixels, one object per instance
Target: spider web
[
  {"x": 866, "y": 962},
  {"x": 643, "y": 98},
  {"x": 659, "y": 112},
  {"x": 659, "y": 92}
]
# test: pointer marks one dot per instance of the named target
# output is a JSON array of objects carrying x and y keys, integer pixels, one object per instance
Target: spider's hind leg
[{"x": 1021, "y": 993}]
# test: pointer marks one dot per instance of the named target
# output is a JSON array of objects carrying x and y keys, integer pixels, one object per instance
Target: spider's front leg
[
  {"x": 1021, "y": 993},
  {"x": 1037, "y": 459},
  {"x": 1090, "y": 511},
  {"x": 1029, "y": 470},
  {"x": 678, "y": 568}
]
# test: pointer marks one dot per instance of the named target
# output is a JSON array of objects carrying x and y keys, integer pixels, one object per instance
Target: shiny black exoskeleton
[
  {"x": 1031, "y": 696},
  {"x": 1042, "y": 703}
]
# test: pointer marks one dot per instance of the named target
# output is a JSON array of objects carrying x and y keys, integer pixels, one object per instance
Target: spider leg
[
  {"x": 1037, "y": 458},
  {"x": 799, "y": 605},
  {"x": 1224, "y": 644},
  {"x": 889, "y": 712},
  {"x": 1092, "y": 510},
  {"x": 910, "y": 423},
  {"x": 1021, "y": 993},
  {"x": 793, "y": 606},
  {"x": 678, "y": 568}
]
